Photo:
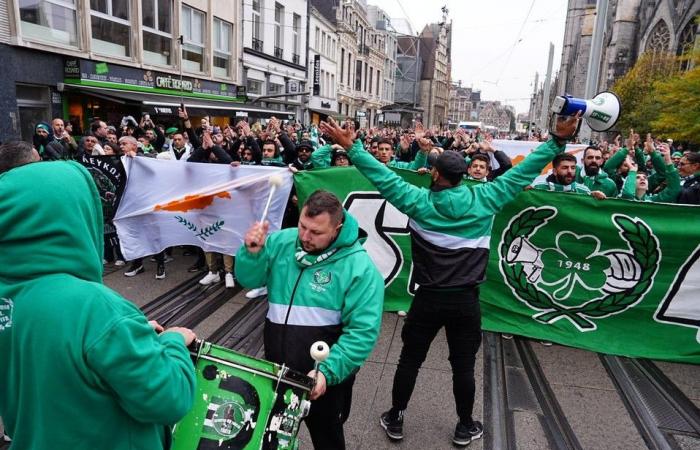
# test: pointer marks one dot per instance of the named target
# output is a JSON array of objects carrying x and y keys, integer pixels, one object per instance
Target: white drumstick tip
[
  {"x": 275, "y": 180},
  {"x": 319, "y": 351}
]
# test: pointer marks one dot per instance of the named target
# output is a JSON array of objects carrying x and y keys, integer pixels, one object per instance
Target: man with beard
[
  {"x": 593, "y": 177},
  {"x": 450, "y": 225},
  {"x": 563, "y": 176},
  {"x": 323, "y": 286}
]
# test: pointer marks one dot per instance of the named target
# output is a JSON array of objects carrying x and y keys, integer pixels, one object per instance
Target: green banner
[{"x": 611, "y": 276}]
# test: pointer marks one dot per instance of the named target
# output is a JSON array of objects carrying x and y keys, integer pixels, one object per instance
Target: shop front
[{"x": 109, "y": 92}]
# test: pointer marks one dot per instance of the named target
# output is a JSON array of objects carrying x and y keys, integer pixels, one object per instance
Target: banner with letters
[
  {"x": 612, "y": 276},
  {"x": 211, "y": 206},
  {"x": 108, "y": 174}
]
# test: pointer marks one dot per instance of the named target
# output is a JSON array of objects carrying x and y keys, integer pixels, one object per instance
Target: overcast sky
[{"x": 497, "y": 45}]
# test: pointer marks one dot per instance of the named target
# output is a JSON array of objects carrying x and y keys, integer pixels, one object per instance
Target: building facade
[
  {"x": 385, "y": 39},
  {"x": 274, "y": 58},
  {"x": 323, "y": 70},
  {"x": 87, "y": 60},
  {"x": 435, "y": 42},
  {"x": 632, "y": 28},
  {"x": 459, "y": 104}
]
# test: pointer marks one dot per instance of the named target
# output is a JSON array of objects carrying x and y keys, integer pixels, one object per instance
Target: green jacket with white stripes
[
  {"x": 336, "y": 297},
  {"x": 451, "y": 227}
]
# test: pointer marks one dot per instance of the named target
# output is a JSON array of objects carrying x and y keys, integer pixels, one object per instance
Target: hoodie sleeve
[
  {"x": 152, "y": 376},
  {"x": 613, "y": 163},
  {"x": 361, "y": 318},
  {"x": 673, "y": 186},
  {"x": 403, "y": 195},
  {"x": 253, "y": 269},
  {"x": 321, "y": 157},
  {"x": 498, "y": 193}
]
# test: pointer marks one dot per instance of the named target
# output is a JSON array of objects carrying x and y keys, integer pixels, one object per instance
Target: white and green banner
[{"x": 611, "y": 276}]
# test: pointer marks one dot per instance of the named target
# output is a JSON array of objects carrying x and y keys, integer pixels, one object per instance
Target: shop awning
[{"x": 168, "y": 104}]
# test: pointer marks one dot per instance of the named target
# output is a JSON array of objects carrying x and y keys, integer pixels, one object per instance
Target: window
[
  {"x": 254, "y": 87},
  {"x": 257, "y": 35},
  {"x": 50, "y": 21},
  {"x": 157, "y": 31},
  {"x": 342, "y": 64},
  {"x": 192, "y": 26},
  {"x": 332, "y": 86},
  {"x": 349, "y": 69},
  {"x": 358, "y": 75},
  {"x": 379, "y": 76},
  {"x": 366, "y": 75},
  {"x": 296, "y": 28},
  {"x": 274, "y": 88},
  {"x": 111, "y": 29},
  {"x": 33, "y": 105},
  {"x": 322, "y": 50},
  {"x": 328, "y": 45},
  {"x": 317, "y": 40},
  {"x": 279, "y": 24},
  {"x": 222, "y": 47},
  {"x": 369, "y": 86}
]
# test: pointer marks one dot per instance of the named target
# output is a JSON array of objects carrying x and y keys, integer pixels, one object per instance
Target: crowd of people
[{"x": 449, "y": 224}]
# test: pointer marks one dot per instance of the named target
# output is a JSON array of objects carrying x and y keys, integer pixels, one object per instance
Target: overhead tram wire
[
  {"x": 517, "y": 40},
  {"x": 406, "y": 14}
]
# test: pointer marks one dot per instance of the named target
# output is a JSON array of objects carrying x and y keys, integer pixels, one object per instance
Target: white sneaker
[
  {"x": 6, "y": 438},
  {"x": 119, "y": 263},
  {"x": 210, "y": 278},
  {"x": 257, "y": 292},
  {"x": 228, "y": 279}
]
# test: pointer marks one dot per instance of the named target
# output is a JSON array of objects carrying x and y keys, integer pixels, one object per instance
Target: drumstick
[
  {"x": 274, "y": 181},
  {"x": 319, "y": 353}
]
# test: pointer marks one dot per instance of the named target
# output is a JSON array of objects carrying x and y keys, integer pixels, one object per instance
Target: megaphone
[
  {"x": 601, "y": 112},
  {"x": 522, "y": 251}
]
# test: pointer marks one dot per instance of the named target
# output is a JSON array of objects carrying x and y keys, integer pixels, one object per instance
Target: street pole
[
  {"x": 544, "y": 114},
  {"x": 533, "y": 106},
  {"x": 593, "y": 70}
]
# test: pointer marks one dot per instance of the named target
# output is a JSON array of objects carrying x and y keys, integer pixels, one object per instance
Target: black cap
[
  {"x": 305, "y": 144},
  {"x": 451, "y": 163},
  {"x": 337, "y": 153}
]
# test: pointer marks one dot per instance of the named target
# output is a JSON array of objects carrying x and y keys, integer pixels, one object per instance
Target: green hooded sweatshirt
[
  {"x": 337, "y": 296},
  {"x": 81, "y": 367}
]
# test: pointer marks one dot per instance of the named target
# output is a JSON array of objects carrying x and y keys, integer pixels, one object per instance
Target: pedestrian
[
  {"x": 450, "y": 226},
  {"x": 689, "y": 168},
  {"x": 82, "y": 366},
  {"x": 323, "y": 286}
]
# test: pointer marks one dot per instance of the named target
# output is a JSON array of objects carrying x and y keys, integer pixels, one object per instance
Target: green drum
[{"x": 242, "y": 403}]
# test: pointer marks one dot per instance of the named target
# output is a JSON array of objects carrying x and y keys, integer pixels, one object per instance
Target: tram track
[
  {"x": 243, "y": 332},
  {"x": 514, "y": 383},
  {"x": 660, "y": 411}
]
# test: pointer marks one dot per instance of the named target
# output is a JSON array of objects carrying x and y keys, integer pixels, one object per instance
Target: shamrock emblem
[{"x": 576, "y": 261}]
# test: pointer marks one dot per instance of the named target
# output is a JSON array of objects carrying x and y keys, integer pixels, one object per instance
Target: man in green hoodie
[
  {"x": 322, "y": 286},
  {"x": 450, "y": 226},
  {"x": 593, "y": 175},
  {"x": 82, "y": 368}
]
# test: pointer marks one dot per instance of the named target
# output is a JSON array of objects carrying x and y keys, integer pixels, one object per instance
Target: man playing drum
[{"x": 322, "y": 286}]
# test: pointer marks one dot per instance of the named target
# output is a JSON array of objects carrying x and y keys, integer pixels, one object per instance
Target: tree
[
  {"x": 636, "y": 90},
  {"x": 679, "y": 104}
]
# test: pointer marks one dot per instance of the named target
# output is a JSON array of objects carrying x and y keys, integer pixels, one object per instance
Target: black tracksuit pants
[
  {"x": 328, "y": 415},
  {"x": 459, "y": 312}
]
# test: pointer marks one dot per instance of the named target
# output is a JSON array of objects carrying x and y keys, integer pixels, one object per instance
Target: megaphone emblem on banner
[
  {"x": 522, "y": 251},
  {"x": 601, "y": 112}
]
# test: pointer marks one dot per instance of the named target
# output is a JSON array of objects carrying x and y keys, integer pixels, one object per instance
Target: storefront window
[
  {"x": 33, "y": 105},
  {"x": 254, "y": 87},
  {"x": 193, "y": 32},
  {"x": 157, "y": 31},
  {"x": 111, "y": 29},
  {"x": 274, "y": 88},
  {"x": 53, "y": 21},
  {"x": 222, "y": 47}
]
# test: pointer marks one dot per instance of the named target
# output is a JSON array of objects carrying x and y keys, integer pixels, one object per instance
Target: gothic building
[{"x": 632, "y": 28}]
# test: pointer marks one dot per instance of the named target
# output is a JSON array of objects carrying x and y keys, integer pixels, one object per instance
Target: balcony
[
  {"x": 364, "y": 50},
  {"x": 257, "y": 45},
  {"x": 279, "y": 53},
  {"x": 295, "y": 58}
]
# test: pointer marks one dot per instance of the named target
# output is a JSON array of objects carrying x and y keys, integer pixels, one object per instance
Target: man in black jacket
[{"x": 689, "y": 169}]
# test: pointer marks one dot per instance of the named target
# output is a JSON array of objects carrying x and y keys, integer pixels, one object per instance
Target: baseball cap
[
  {"x": 305, "y": 144},
  {"x": 451, "y": 163},
  {"x": 171, "y": 130}
]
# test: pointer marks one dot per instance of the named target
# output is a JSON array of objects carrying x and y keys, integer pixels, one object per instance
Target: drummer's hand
[
  {"x": 158, "y": 328},
  {"x": 185, "y": 332},
  {"x": 255, "y": 237},
  {"x": 320, "y": 387}
]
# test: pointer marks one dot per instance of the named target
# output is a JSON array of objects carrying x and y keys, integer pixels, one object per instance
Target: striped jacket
[
  {"x": 336, "y": 297},
  {"x": 451, "y": 228}
]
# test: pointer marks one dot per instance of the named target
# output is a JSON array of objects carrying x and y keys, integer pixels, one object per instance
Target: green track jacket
[
  {"x": 336, "y": 297},
  {"x": 451, "y": 228}
]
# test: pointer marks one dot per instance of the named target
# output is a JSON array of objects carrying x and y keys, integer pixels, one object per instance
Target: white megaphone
[
  {"x": 522, "y": 251},
  {"x": 601, "y": 112}
]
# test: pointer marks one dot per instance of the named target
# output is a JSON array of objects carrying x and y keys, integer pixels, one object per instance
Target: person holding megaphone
[{"x": 450, "y": 226}]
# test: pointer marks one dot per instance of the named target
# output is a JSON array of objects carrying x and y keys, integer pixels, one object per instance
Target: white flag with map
[{"x": 167, "y": 203}]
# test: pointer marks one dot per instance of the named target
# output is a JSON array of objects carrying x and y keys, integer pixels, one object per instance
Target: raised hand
[
  {"x": 649, "y": 144},
  {"x": 256, "y": 235},
  {"x": 343, "y": 137},
  {"x": 425, "y": 144},
  {"x": 419, "y": 130}
]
